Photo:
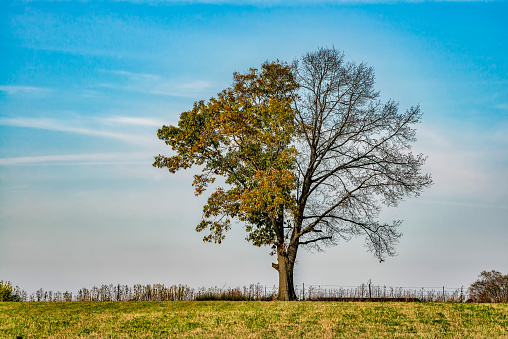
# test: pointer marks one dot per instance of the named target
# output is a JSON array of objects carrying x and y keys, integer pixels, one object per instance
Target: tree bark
[{"x": 285, "y": 267}]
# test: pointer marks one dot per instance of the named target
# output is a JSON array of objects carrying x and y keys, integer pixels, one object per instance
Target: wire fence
[
  {"x": 160, "y": 292},
  {"x": 371, "y": 292}
]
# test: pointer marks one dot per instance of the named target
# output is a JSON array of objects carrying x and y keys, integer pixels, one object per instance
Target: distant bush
[
  {"x": 253, "y": 292},
  {"x": 7, "y": 293},
  {"x": 492, "y": 287}
]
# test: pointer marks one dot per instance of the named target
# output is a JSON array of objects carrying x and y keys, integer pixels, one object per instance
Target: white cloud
[
  {"x": 83, "y": 159},
  {"x": 157, "y": 85},
  {"x": 136, "y": 121},
  {"x": 63, "y": 126},
  {"x": 34, "y": 91},
  {"x": 134, "y": 75},
  {"x": 503, "y": 107}
]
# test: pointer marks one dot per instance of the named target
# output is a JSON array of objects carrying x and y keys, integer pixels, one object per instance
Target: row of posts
[{"x": 370, "y": 291}]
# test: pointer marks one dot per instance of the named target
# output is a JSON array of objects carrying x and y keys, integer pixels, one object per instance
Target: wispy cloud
[
  {"x": 157, "y": 85},
  {"x": 135, "y": 121},
  {"x": 503, "y": 107},
  {"x": 64, "y": 126},
  {"x": 33, "y": 91},
  {"x": 82, "y": 159}
]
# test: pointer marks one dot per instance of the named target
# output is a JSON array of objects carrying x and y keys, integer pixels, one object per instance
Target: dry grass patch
[{"x": 252, "y": 319}]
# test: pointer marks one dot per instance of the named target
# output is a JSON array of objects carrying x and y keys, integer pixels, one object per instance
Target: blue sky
[{"x": 84, "y": 86}]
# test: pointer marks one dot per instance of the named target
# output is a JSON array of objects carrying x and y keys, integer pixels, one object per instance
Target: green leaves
[
  {"x": 245, "y": 135},
  {"x": 7, "y": 292}
]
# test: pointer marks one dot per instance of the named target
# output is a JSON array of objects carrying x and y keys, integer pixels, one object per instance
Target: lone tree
[{"x": 309, "y": 155}]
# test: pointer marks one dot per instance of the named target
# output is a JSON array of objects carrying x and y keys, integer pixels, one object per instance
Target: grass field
[{"x": 252, "y": 319}]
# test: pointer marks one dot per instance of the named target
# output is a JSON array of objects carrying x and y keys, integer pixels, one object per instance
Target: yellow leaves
[
  {"x": 271, "y": 193},
  {"x": 244, "y": 134},
  {"x": 217, "y": 230},
  {"x": 200, "y": 183}
]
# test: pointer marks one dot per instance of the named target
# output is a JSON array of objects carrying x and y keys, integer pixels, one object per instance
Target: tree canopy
[
  {"x": 309, "y": 155},
  {"x": 492, "y": 287},
  {"x": 355, "y": 153},
  {"x": 246, "y": 135}
]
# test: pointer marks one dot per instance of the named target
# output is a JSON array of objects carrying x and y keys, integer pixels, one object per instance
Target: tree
[
  {"x": 309, "y": 155},
  {"x": 492, "y": 287},
  {"x": 7, "y": 292}
]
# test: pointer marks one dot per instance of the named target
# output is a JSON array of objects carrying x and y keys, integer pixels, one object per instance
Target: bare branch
[{"x": 314, "y": 240}]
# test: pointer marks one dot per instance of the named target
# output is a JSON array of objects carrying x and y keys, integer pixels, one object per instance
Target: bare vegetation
[
  {"x": 160, "y": 292},
  {"x": 155, "y": 292},
  {"x": 492, "y": 287}
]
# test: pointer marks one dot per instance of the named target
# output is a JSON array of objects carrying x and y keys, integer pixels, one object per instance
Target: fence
[
  {"x": 382, "y": 293},
  {"x": 160, "y": 292}
]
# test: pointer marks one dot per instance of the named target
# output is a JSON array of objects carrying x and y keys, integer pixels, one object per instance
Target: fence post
[
  {"x": 370, "y": 293},
  {"x": 303, "y": 291},
  {"x": 444, "y": 299}
]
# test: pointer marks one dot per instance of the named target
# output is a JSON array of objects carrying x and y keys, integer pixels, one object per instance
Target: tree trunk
[{"x": 285, "y": 266}]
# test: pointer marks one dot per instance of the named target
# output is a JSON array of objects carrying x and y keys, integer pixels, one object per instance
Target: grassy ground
[{"x": 252, "y": 319}]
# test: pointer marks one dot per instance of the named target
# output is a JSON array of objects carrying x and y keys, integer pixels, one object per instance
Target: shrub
[
  {"x": 7, "y": 293},
  {"x": 492, "y": 287}
]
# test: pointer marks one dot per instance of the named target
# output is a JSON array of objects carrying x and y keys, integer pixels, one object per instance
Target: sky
[{"x": 84, "y": 86}]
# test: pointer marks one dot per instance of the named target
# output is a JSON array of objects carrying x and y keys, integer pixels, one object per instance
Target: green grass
[{"x": 252, "y": 319}]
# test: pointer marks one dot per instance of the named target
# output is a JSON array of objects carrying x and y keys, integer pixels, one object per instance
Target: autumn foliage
[
  {"x": 309, "y": 154},
  {"x": 245, "y": 134}
]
